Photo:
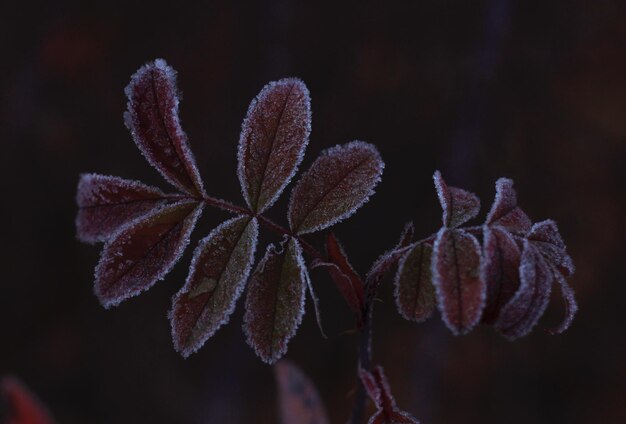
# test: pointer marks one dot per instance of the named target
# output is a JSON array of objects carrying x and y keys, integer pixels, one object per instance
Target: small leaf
[
  {"x": 273, "y": 138},
  {"x": 23, "y": 407},
  {"x": 571, "y": 307},
  {"x": 219, "y": 270},
  {"x": 414, "y": 291},
  {"x": 505, "y": 212},
  {"x": 546, "y": 238},
  {"x": 144, "y": 251},
  {"x": 500, "y": 270},
  {"x": 299, "y": 401},
  {"x": 459, "y": 206},
  {"x": 456, "y": 277},
  {"x": 152, "y": 118},
  {"x": 521, "y": 313},
  {"x": 387, "y": 412},
  {"x": 338, "y": 183},
  {"x": 107, "y": 203},
  {"x": 275, "y": 300}
]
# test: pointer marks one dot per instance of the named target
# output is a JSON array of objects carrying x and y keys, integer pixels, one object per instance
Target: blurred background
[{"x": 533, "y": 90}]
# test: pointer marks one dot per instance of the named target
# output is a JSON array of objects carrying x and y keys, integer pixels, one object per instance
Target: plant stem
[{"x": 365, "y": 362}]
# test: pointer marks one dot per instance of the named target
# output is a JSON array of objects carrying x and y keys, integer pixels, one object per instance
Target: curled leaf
[
  {"x": 275, "y": 300},
  {"x": 414, "y": 291},
  {"x": 459, "y": 206},
  {"x": 546, "y": 238},
  {"x": 500, "y": 270},
  {"x": 571, "y": 307},
  {"x": 377, "y": 387},
  {"x": 219, "y": 270},
  {"x": 518, "y": 317},
  {"x": 23, "y": 407},
  {"x": 273, "y": 138},
  {"x": 299, "y": 401},
  {"x": 456, "y": 277},
  {"x": 505, "y": 212},
  {"x": 339, "y": 182},
  {"x": 152, "y": 118},
  {"x": 144, "y": 251},
  {"x": 107, "y": 203}
]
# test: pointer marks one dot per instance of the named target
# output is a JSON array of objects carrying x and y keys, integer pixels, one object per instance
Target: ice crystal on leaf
[
  {"x": 273, "y": 138},
  {"x": 505, "y": 212},
  {"x": 387, "y": 411},
  {"x": 275, "y": 300},
  {"x": 459, "y": 206},
  {"x": 414, "y": 291},
  {"x": 339, "y": 182},
  {"x": 218, "y": 272},
  {"x": 22, "y": 406},
  {"x": 299, "y": 400}
]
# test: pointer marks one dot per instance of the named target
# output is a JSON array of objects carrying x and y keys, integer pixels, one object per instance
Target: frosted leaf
[
  {"x": 414, "y": 291},
  {"x": 518, "y": 317},
  {"x": 500, "y": 270},
  {"x": 314, "y": 298},
  {"x": 20, "y": 404},
  {"x": 152, "y": 118},
  {"x": 505, "y": 212},
  {"x": 571, "y": 307},
  {"x": 298, "y": 399},
  {"x": 339, "y": 182},
  {"x": 144, "y": 251},
  {"x": 273, "y": 138},
  {"x": 459, "y": 287},
  {"x": 218, "y": 273},
  {"x": 275, "y": 300},
  {"x": 387, "y": 411},
  {"x": 546, "y": 238},
  {"x": 107, "y": 203},
  {"x": 459, "y": 206}
]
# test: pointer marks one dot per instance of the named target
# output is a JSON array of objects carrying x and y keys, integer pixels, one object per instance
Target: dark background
[{"x": 533, "y": 90}]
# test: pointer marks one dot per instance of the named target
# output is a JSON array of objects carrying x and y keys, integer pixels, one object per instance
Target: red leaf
[
  {"x": 107, "y": 203},
  {"x": 219, "y": 270},
  {"x": 571, "y": 307},
  {"x": 144, "y": 251},
  {"x": 505, "y": 212},
  {"x": 414, "y": 291},
  {"x": 459, "y": 206},
  {"x": 273, "y": 138},
  {"x": 152, "y": 118},
  {"x": 456, "y": 277},
  {"x": 275, "y": 300},
  {"x": 518, "y": 317},
  {"x": 387, "y": 412},
  {"x": 299, "y": 400},
  {"x": 500, "y": 270},
  {"x": 546, "y": 238},
  {"x": 23, "y": 407},
  {"x": 338, "y": 183}
]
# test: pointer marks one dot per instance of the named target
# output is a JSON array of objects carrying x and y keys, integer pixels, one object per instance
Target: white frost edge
[
  {"x": 240, "y": 286},
  {"x": 193, "y": 216},
  {"x": 503, "y": 186},
  {"x": 245, "y": 131},
  {"x": 396, "y": 282},
  {"x": 328, "y": 152}
]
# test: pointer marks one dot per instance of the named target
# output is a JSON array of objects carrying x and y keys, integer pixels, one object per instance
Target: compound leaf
[
  {"x": 459, "y": 206},
  {"x": 338, "y": 183},
  {"x": 273, "y": 138},
  {"x": 505, "y": 212},
  {"x": 275, "y": 300},
  {"x": 571, "y": 307},
  {"x": 152, "y": 118},
  {"x": 107, "y": 203},
  {"x": 219, "y": 270},
  {"x": 460, "y": 290},
  {"x": 546, "y": 238},
  {"x": 299, "y": 401},
  {"x": 144, "y": 251}
]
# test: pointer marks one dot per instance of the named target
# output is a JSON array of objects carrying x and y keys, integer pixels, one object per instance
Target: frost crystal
[
  {"x": 152, "y": 118},
  {"x": 298, "y": 398},
  {"x": 546, "y": 238},
  {"x": 459, "y": 206},
  {"x": 505, "y": 212},
  {"x": 377, "y": 387},
  {"x": 107, "y": 203},
  {"x": 143, "y": 251},
  {"x": 275, "y": 300},
  {"x": 339, "y": 182},
  {"x": 273, "y": 138},
  {"x": 219, "y": 270},
  {"x": 414, "y": 291},
  {"x": 456, "y": 277}
]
